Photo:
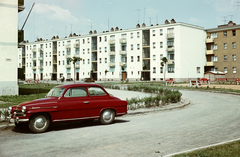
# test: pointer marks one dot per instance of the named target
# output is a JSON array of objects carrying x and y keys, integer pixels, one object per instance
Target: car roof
[{"x": 79, "y": 85}]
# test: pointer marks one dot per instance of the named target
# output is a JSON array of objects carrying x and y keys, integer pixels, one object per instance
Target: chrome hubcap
[
  {"x": 40, "y": 122},
  {"x": 107, "y": 115}
]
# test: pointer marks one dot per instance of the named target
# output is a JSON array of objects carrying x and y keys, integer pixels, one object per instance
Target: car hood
[{"x": 38, "y": 102}]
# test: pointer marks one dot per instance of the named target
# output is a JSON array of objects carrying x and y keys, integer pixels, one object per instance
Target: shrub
[{"x": 5, "y": 114}]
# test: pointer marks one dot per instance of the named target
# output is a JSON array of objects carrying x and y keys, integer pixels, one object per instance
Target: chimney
[
  {"x": 173, "y": 21},
  {"x": 138, "y": 26},
  {"x": 95, "y": 32},
  {"x": 103, "y": 31},
  {"x": 230, "y": 23},
  {"x": 90, "y": 32},
  {"x": 166, "y": 22},
  {"x": 116, "y": 29},
  {"x": 57, "y": 37},
  {"x": 143, "y": 25},
  {"x": 70, "y": 35},
  {"x": 112, "y": 29}
]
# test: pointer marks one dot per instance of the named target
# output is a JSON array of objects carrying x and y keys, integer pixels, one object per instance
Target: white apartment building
[
  {"x": 134, "y": 54},
  {"x": 9, "y": 45}
]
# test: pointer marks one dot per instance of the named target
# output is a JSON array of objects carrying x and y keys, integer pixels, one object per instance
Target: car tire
[
  {"x": 107, "y": 116},
  {"x": 39, "y": 123}
]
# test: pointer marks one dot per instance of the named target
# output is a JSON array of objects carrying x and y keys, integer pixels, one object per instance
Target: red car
[{"x": 68, "y": 103}]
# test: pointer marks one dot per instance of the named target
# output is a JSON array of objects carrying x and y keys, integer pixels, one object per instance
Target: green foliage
[{"x": 5, "y": 114}]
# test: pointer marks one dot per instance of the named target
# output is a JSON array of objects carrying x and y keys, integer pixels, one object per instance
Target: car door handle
[{"x": 86, "y": 102}]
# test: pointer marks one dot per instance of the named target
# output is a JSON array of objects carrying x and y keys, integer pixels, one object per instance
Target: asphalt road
[{"x": 210, "y": 118}]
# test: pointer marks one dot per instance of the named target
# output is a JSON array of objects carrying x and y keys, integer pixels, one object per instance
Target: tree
[
  {"x": 74, "y": 60},
  {"x": 163, "y": 63}
]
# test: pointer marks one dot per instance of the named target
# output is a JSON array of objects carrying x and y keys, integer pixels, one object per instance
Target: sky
[{"x": 62, "y": 17}]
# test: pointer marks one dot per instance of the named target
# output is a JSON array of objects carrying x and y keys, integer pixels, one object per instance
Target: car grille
[{"x": 18, "y": 113}]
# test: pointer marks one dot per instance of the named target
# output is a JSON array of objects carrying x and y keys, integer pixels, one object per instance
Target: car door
[
  {"x": 74, "y": 104},
  {"x": 98, "y": 99}
]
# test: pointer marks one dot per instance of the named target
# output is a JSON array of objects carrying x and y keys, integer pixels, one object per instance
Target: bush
[{"x": 5, "y": 114}]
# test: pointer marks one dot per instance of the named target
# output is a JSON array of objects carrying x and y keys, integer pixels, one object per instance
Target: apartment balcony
[
  {"x": 210, "y": 64},
  {"x": 123, "y": 40},
  {"x": 170, "y": 61},
  {"x": 34, "y": 59},
  {"x": 112, "y": 42},
  {"x": 112, "y": 53},
  {"x": 34, "y": 68},
  {"x": 68, "y": 46},
  {"x": 40, "y": 67},
  {"x": 40, "y": 49},
  {"x": 68, "y": 56},
  {"x": 76, "y": 45},
  {"x": 68, "y": 66},
  {"x": 112, "y": 64},
  {"x": 210, "y": 40},
  {"x": 123, "y": 52},
  {"x": 40, "y": 58},
  {"x": 170, "y": 49},
  {"x": 54, "y": 53},
  {"x": 170, "y": 35},
  {"x": 77, "y": 66},
  {"x": 34, "y": 50},
  {"x": 123, "y": 64},
  {"x": 209, "y": 52}
]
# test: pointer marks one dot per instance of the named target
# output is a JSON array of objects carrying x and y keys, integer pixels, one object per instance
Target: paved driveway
[{"x": 209, "y": 119}]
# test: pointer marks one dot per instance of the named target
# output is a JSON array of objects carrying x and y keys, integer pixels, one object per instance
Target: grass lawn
[{"x": 225, "y": 150}]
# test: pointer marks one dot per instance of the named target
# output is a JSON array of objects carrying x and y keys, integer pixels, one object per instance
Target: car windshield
[{"x": 55, "y": 92}]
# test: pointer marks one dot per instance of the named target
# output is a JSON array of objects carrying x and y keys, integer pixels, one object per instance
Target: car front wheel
[
  {"x": 39, "y": 123},
  {"x": 107, "y": 116}
]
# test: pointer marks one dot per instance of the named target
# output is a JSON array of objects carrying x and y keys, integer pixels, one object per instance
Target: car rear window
[{"x": 95, "y": 91}]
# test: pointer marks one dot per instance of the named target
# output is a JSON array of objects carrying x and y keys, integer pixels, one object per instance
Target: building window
[
  {"x": 100, "y": 39},
  {"x": 214, "y": 59},
  {"x": 161, "y": 69},
  {"x": 213, "y": 35},
  {"x": 131, "y": 35},
  {"x": 63, "y": 53},
  {"x": 138, "y": 46},
  {"x": 234, "y": 45},
  {"x": 161, "y": 32},
  {"x": 46, "y": 63},
  {"x": 88, "y": 61},
  {"x": 225, "y": 70},
  {"x": 234, "y": 57},
  {"x": 83, "y": 51},
  {"x": 88, "y": 40},
  {"x": 105, "y": 60},
  {"x": 59, "y": 62},
  {"x": 105, "y": 49},
  {"x": 154, "y": 57},
  {"x": 46, "y": 55},
  {"x": 46, "y": 46},
  {"x": 131, "y": 46},
  {"x": 112, "y": 73},
  {"x": 161, "y": 56},
  {"x": 225, "y": 33},
  {"x": 105, "y": 38},
  {"x": 50, "y": 63},
  {"x": 138, "y": 34},
  {"x": 234, "y": 70},
  {"x": 154, "y": 69},
  {"x": 59, "y": 44},
  {"x": 50, "y": 45},
  {"x": 131, "y": 58},
  {"x": 63, "y": 62},
  {"x": 154, "y": 45},
  {"x": 83, "y": 41},
  {"x": 100, "y": 60},
  {"x": 170, "y": 69},
  {"x": 49, "y": 54},
  {"x": 83, "y": 61},
  {"x": 161, "y": 44},
  {"x": 234, "y": 32},
  {"x": 63, "y": 43},
  {"x": 30, "y": 64},
  {"x": 153, "y": 32},
  {"x": 225, "y": 45},
  {"x": 214, "y": 47},
  {"x": 225, "y": 57},
  {"x": 100, "y": 49},
  {"x": 198, "y": 69},
  {"x": 216, "y": 69},
  {"x": 58, "y": 53},
  {"x": 138, "y": 58}
]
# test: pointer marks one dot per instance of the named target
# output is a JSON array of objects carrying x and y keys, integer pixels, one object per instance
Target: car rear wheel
[
  {"x": 107, "y": 116},
  {"x": 39, "y": 123}
]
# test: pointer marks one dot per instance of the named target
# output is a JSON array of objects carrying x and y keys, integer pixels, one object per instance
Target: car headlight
[
  {"x": 24, "y": 109},
  {"x": 10, "y": 110}
]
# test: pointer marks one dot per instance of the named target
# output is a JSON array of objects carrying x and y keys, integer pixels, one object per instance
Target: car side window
[
  {"x": 95, "y": 91},
  {"x": 76, "y": 92}
]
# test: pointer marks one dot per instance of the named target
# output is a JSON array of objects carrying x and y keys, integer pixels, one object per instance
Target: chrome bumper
[{"x": 16, "y": 120}]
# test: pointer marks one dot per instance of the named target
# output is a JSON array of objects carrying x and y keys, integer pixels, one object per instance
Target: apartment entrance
[
  {"x": 34, "y": 76},
  {"x": 41, "y": 76},
  {"x": 145, "y": 76},
  {"x": 77, "y": 76},
  {"x": 124, "y": 75},
  {"x": 54, "y": 76}
]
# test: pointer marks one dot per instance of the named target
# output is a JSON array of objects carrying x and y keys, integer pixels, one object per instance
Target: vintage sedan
[{"x": 68, "y": 103}]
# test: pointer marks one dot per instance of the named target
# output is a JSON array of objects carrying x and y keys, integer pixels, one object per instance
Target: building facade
[
  {"x": 223, "y": 50},
  {"x": 115, "y": 55},
  {"x": 9, "y": 46}
]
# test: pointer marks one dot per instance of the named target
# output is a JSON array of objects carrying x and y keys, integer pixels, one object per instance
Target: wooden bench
[
  {"x": 197, "y": 83},
  {"x": 169, "y": 81},
  {"x": 237, "y": 81}
]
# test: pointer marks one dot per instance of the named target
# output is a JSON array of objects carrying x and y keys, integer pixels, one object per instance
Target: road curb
[{"x": 156, "y": 109}]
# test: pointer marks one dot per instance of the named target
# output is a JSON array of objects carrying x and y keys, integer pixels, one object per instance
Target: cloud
[{"x": 54, "y": 12}]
